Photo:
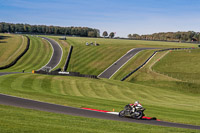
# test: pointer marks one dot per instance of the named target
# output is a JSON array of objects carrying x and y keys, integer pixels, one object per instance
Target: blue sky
[{"x": 120, "y": 16}]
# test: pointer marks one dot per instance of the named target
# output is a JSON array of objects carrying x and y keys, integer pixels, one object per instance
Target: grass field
[
  {"x": 183, "y": 65},
  {"x": 167, "y": 105},
  {"x": 31, "y": 121},
  {"x": 95, "y": 59},
  {"x": 11, "y": 46},
  {"x": 36, "y": 57}
]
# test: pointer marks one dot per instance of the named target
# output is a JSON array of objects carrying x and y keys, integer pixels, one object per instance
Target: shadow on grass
[
  {"x": 3, "y": 42},
  {"x": 4, "y": 37}
]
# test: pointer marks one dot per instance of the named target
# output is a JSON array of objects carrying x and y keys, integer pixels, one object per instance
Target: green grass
[
  {"x": 37, "y": 56},
  {"x": 95, "y": 59},
  {"x": 135, "y": 62},
  {"x": 11, "y": 46},
  {"x": 31, "y": 121},
  {"x": 183, "y": 65},
  {"x": 167, "y": 105}
]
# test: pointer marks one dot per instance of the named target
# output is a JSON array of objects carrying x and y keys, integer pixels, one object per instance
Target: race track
[
  {"x": 57, "y": 54},
  {"x": 43, "y": 106},
  {"x": 110, "y": 71}
]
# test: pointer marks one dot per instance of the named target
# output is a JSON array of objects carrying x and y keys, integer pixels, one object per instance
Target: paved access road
[
  {"x": 110, "y": 71},
  {"x": 31, "y": 104},
  {"x": 57, "y": 53}
]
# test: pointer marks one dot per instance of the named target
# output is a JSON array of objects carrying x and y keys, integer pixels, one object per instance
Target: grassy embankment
[
  {"x": 26, "y": 120},
  {"x": 36, "y": 57},
  {"x": 167, "y": 105},
  {"x": 11, "y": 46},
  {"x": 95, "y": 59}
]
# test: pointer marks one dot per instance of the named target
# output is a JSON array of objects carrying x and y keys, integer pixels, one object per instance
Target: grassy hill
[
  {"x": 183, "y": 65},
  {"x": 168, "y": 88},
  {"x": 11, "y": 46},
  {"x": 95, "y": 59},
  {"x": 167, "y": 105},
  {"x": 36, "y": 57}
]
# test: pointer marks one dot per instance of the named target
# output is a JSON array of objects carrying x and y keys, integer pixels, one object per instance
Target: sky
[{"x": 121, "y": 16}]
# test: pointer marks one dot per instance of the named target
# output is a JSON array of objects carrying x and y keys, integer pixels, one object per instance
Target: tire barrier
[
  {"x": 22, "y": 54},
  {"x": 128, "y": 75},
  {"x": 77, "y": 74},
  {"x": 68, "y": 59}
]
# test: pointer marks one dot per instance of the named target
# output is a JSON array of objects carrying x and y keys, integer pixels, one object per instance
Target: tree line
[
  {"x": 43, "y": 29},
  {"x": 179, "y": 36}
]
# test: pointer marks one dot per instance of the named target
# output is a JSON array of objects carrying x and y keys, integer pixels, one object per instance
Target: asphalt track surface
[
  {"x": 110, "y": 71},
  {"x": 48, "y": 107},
  {"x": 57, "y": 54}
]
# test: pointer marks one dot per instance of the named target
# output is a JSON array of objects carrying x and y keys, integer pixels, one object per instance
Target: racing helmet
[{"x": 136, "y": 103}]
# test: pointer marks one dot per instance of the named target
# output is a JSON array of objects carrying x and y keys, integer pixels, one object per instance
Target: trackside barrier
[
  {"x": 15, "y": 61},
  {"x": 68, "y": 59},
  {"x": 77, "y": 74},
  {"x": 128, "y": 75}
]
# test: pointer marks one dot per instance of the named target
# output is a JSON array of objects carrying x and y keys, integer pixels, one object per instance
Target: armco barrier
[
  {"x": 68, "y": 59},
  {"x": 128, "y": 75},
  {"x": 77, "y": 74},
  {"x": 15, "y": 61}
]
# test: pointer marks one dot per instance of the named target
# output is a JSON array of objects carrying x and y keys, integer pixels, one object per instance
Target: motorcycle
[{"x": 127, "y": 112}]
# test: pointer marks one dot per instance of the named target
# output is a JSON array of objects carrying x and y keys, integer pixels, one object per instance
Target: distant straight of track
[
  {"x": 43, "y": 106},
  {"x": 110, "y": 71},
  {"x": 57, "y": 54}
]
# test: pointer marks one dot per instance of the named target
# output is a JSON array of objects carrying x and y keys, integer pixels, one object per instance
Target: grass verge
[
  {"x": 167, "y": 105},
  {"x": 26, "y": 120}
]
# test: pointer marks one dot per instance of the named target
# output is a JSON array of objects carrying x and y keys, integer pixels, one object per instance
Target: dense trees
[
  {"x": 43, "y": 29},
  {"x": 189, "y": 36}
]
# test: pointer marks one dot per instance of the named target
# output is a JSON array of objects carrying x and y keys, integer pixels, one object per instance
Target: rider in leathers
[{"x": 135, "y": 106}]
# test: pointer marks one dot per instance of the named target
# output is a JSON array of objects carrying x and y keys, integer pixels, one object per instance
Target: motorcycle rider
[{"x": 135, "y": 106}]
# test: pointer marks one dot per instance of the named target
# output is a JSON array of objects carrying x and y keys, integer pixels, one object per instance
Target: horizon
[{"x": 143, "y": 17}]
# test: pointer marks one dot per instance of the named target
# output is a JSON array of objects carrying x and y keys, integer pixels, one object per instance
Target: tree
[
  {"x": 91, "y": 34},
  {"x": 112, "y": 34},
  {"x": 129, "y": 36},
  {"x": 105, "y": 33}
]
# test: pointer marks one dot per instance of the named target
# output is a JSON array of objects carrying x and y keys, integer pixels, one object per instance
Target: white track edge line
[
  {"x": 51, "y": 55},
  {"x": 115, "y": 62},
  {"x": 124, "y": 64}
]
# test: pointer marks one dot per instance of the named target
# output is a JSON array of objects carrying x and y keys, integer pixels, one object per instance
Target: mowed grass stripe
[
  {"x": 36, "y": 57},
  {"x": 24, "y": 62},
  {"x": 11, "y": 47},
  {"x": 183, "y": 65},
  {"x": 99, "y": 95}
]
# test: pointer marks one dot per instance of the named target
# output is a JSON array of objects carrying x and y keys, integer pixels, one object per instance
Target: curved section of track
[
  {"x": 110, "y": 71},
  {"x": 57, "y": 54},
  {"x": 31, "y": 104}
]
